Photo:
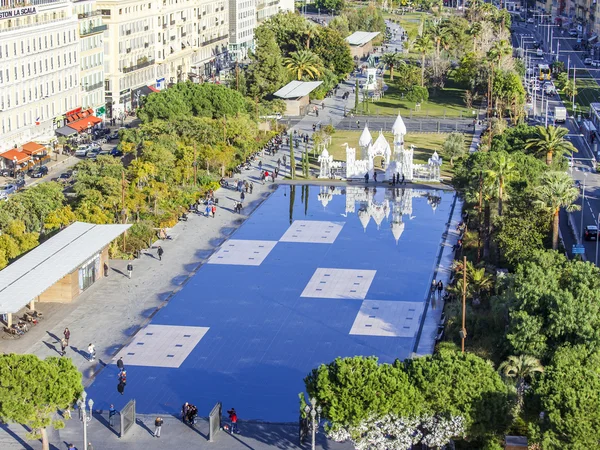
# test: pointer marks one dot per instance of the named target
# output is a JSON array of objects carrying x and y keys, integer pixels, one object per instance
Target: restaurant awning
[
  {"x": 65, "y": 131},
  {"x": 14, "y": 153},
  {"x": 84, "y": 123},
  {"x": 33, "y": 148}
]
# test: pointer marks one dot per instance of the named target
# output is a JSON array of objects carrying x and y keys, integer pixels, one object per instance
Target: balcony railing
[
  {"x": 89, "y": 14},
  {"x": 138, "y": 66},
  {"x": 127, "y": 32},
  {"x": 172, "y": 22},
  {"x": 213, "y": 40},
  {"x": 93, "y": 87},
  {"x": 93, "y": 30}
]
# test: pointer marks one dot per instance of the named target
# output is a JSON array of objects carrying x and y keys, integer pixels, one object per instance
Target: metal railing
[
  {"x": 213, "y": 40},
  {"x": 138, "y": 66},
  {"x": 93, "y": 87},
  {"x": 89, "y": 14},
  {"x": 93, "y": 30}
]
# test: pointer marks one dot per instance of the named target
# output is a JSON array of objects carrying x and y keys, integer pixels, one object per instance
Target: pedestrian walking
[
  {"x": 251, "y": 187},
  {"x": 284, "y": 161},
  {"x": 129, "y": 270},
  {"x": 120, "y": 364},
  {"x": 260, "y": 165},
  {"x": 157, "y": 426},
  {"x": 440, "y": 288},
  {"x": 63, "y": 347},
  {"x": 121, "y": 388},
  {"x": 402, "y": 178},
  {"x": 366, "y": 177},
  {"x": 112, "y": 412},
  {"x": 433, "y": 285},
  {"x": 91, "y": 352},
  {"x": 374, "y": 177},
  {"x": 358, "y": 124},
  {"x": 242, "y": 196},
  {"x": 214, "y": 210},
  {"x": 67, "y": 335},
  {"x": 233, "y": 418},
  {"x": 393, "y": 179},
  {"x": 160, "y": 252},
  {"x": 278, "y": 163}
]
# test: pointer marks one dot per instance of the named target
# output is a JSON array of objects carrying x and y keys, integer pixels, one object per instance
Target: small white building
[{"x": 296, "y": 96}]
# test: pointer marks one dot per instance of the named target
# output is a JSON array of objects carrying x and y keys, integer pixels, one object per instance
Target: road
[{"x": 583, "y": 164}]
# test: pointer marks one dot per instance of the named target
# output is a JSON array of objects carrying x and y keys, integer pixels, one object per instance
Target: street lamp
[
  {"x": 315, "y": 412},
  {"x": 582, "y": 199},
  {"x": 83, "y": 415},
  {"x": 15, "y": 166}
]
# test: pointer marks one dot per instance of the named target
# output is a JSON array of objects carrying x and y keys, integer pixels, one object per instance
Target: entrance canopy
[
  {"x": 85, "y": 123},
  {"x": 33, "y": 148},
  {"x": 20, "y": 156},
  {"x": 296, "y": 89},
  {"x": 29, "y": 276},
  {"x": 65, "y": 131}
]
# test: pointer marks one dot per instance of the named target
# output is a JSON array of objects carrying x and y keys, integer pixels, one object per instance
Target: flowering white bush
[{"x": 396, "y": 433}]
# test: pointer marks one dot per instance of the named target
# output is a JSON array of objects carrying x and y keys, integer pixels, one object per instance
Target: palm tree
[
  {"x": 392, "y": 60},
  {"x": 500, "y": 49},
  {"x": 521, "y": 368},
  {"x": 440, "y": 35},
  {"x": 479, "y": 281},
  {"x": 550, "y": 141},
  {"x": 303, "y": 62},
  {"x": 503, "y": 170},
  {"x": 423, "y": 45},
  {"x": 475, "y": 31},
  {"x": 570, "y": 89},
  {"x": 310, "y": 32},
  {"x": 555, "y": 192}
]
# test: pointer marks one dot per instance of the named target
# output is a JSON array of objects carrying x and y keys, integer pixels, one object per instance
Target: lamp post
[
  {"x": 84, "y": 416},
  {"x": 582, "y": 200},
  {"x": 597, "y": 225},
  {"x": 15, "y": 166},
  {"x": 315, "y": 412}
]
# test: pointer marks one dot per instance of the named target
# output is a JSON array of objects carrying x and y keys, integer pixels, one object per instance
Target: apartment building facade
[{"x": 39, "y": 69}]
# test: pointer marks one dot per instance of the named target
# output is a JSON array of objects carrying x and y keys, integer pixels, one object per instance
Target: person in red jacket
[{"x": 233, "y": 418}]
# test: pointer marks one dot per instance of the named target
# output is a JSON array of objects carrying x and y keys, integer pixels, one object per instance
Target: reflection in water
[{"x": 397, "y": 201}]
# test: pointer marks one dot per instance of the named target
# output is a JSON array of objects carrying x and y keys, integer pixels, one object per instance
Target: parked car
[
  {"x": 573, "y": 32},
  {"x": 539, "y": 52},
  {"x": 104, "y": 153},
  {"x": 530, "y": 20},
  {"x": 20, "y": 183},
  {"x": 587, "y": 61},
  {"x": 596, "y": 63},
  {"x": 116, "y": 152},
  {"x": 7, "y": 190},
  {"x": 38, "y": 172},
  {"x": 590, "y": 233},
  {"x": 113, "y": 136},
  {"x": 82, "y": 150},
  {"x": 93, "y": 153}
]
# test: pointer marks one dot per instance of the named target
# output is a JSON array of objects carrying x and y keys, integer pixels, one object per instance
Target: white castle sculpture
[{"x": 397, "y": 162}]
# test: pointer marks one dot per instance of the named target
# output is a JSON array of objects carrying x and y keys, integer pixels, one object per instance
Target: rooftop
[
  {"x": 297, "y": 89},
  {"x": 359, "y": 38},
  {"x": 29, "y": 276}
]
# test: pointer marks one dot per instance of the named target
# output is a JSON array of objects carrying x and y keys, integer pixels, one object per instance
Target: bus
[{"x": 545, "y": 73}]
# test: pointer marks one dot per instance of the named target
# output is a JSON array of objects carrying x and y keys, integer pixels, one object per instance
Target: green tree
[
  {"x": 550, "y": 141},
  {"x": 391, "y": 60},
  {"x": 266, "y": 74},
  {"x": 570, "y": 89},
  {"x": 462, "y": 384},
  {"x": 454, "y": 147},
  {"x": 439, "y": 34},
  {"x": 522, "y": 368},
  {"x": 475, "y": 31},
  {"x": 407, "y": 76},
  {"x": 424, "y": 46},
  {"x": 32, "y": 390},
  {"x": 568, "y": 396},
  {"x": 556, "y": 192},
  {"x": 303, "y": 63},
  {"x": 502, "y": 171},
  {"x": 350, "y": 390},
  {"x": 417, "y": 94},
  {"x": 553, "y": 301},
  {"x": 330, "y": 5},
  {"x": 333, "y": 50}
]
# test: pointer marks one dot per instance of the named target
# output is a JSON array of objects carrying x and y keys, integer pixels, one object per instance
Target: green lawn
[
  {"x": 425, "y": 144},
  {"x": 447, "y": 102},
  {"x": 588, "y": 92}
]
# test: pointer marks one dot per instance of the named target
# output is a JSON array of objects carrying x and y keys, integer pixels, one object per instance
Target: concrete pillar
[
  {"x": 9, "y": 320},
  {"x": 32, "y": 305}
]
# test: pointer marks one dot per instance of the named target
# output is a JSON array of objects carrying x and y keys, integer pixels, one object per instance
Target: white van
[{"x": 82, "y": 150}]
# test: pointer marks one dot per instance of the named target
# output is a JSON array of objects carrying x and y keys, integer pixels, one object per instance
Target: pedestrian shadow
[
  {"x": 80, "y": 352},
  {"x": 52, "y": 347},
  {"x": 15, "y": 436},
  {"x": 100, "y": 418},
  {"x": 144, "y": 426},
  {"x": 114, "y": 269},
  {"x": 53, "y": 336}
]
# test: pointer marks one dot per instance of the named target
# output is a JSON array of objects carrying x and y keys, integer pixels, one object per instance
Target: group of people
[{"x": 189, "y": 413}]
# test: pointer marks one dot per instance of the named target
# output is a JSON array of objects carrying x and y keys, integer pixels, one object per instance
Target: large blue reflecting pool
[{"x": 315, "y": 273}]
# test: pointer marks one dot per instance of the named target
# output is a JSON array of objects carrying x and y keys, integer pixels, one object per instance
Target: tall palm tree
[
  {"x": 440, "y": 34},
  {"x": 521, "y": 368},
  {"x": 303, "y": 62},
  {"x": 392, "y": 60},
  {"x": 423, "y": 45},
  {"x": 555, "y": 192},
  {"x": 310, "y": 32},
  {"x": 503, "y": 170},
  {"x": 475, "y": 31},
  {"x": 550, "y": 141},
  {"x": 500, "y": 49}
]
